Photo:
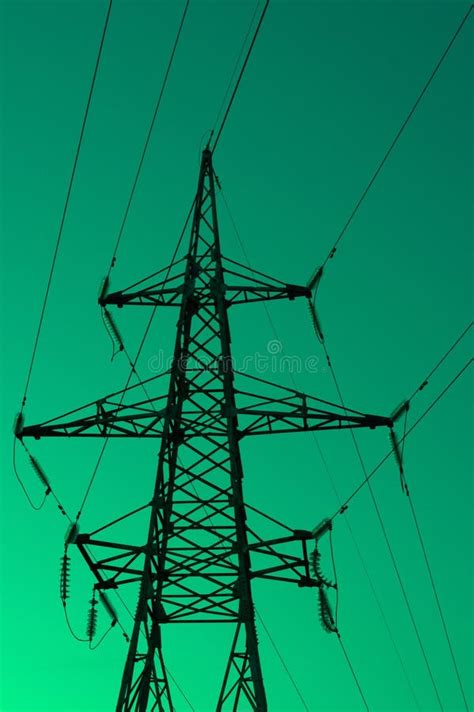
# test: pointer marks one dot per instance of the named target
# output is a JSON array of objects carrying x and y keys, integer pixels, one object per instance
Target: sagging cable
[
  {"x": 324, "y": 607},
  {"x": 102, "y": 638},
  {"x": 34, "y": 506},
  {"x": 114, "y": 333}
]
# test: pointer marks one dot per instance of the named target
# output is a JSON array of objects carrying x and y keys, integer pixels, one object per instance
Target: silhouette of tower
[{"x": 198, "y": 557}]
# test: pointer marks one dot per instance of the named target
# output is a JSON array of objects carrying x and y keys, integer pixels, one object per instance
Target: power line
[
  {"x": 387, "y": 542},
  {"x": 49, "y": 489},
  {"x": 117, "y": 593},
  {"x": 399, "y": 577},
  {"x": 234, "y": 71},
  {"x": 353, "y": 672},
  {"x": 34, "y": 506},
  {"x": 66, "y": 204},
  {"x": 438, "y": 603},
  {"x": 280, "y": 657},
  {"x": 382, "y": 614},
  {"x": 418, "y": 528},
  {"x": 402, "y": 440},
  {"x": 275, "y": 332},
  {"x": 239, "y": 78},
  {"x": 382, "y": 524},
  {"x": 397, "y": 136},
  {"x": 443, "y": 358},
  {"x": 133, "y": 365},
  {"x": 369, "y": 578},
  {"x": 148, "y": 137}
]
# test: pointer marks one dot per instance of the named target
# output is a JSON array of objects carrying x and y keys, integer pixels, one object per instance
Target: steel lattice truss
[{"x": 198, "y": 557}]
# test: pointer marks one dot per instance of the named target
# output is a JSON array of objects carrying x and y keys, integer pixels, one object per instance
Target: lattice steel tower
[{"x": 198, "y": 558}]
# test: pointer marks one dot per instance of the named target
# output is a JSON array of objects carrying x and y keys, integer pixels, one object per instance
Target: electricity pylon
[{"x": 197, "y": 560}]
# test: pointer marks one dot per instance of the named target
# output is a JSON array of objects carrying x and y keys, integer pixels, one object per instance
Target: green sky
[{"x": 327, "y": 87}]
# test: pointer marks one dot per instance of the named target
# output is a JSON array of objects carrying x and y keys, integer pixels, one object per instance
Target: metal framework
[{"x": 197, "y": 560}]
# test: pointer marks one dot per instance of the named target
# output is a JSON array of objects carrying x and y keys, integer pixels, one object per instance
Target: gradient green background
[{"x": 327, "y": 87}]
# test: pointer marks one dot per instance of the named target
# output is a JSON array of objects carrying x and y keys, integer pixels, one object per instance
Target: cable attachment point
[
  {"x": 113, "y": 332},
  {"x": 71, "y": 534},
  {"x": 92, "y": 618},
  {"x": 104, "y": 290},
  {"x": 399, "y": 458},
  {"x": 402, "y": 409},
  {"x": 313, "y": 286},
  {"x": 398, "y": 412},
  {"x": 313, "y": 283},
  {"x": 321, "y": 529},
  {"x": 18, "y": 425},
  {"x": 324, "y": 607}
]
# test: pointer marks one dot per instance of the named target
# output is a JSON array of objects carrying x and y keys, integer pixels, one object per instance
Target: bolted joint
[
  {"x": 193, "y": 305},
  {"x": 307, "y": 582},
  {"x": 177, "y": 436},
  {"x": 294, "y": 290},
  {"x": 116, "y": 298},
  {"x": 302, "y": 534},
  {"x": 321, "y": 529}
]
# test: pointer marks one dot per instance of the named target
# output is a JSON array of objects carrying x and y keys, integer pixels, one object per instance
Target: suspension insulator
[
  {"x": 321, "y": 529},
  {"x": 325, "y": 613},
  {"x": 103, "y": 291},
  {"x": 315, "y": 279},
  {"x": 92, "y": 619},
  {"x": 108, "y": 607},
  {"x": 315, "y": 321},
  {"x": 18, "y": 425},
  {"x": 64, "y": 578},
  {"x": 71, "y": 534},
  {"x": 112, "y": 329},
  {"x": 317, "y": 571},
  {"x": 398, "y": 412},
  {"x": 396, "y": 450},
  {"x": 40, "y": 473}
]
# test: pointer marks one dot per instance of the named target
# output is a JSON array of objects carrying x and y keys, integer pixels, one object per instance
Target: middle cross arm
[{"x": 278, "y": 410}]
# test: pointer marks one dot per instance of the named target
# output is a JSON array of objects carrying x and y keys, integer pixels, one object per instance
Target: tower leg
[
  {"x": 145, "y": 685},
  {"x": 242, "y": 686}
]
